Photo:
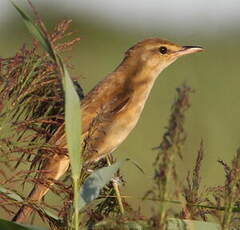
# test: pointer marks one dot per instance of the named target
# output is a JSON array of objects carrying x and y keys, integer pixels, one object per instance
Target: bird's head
[{"x": 156, "y": 54}]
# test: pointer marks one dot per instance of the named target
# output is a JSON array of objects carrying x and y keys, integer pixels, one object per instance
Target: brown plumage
[{"x": 118, "y": 100}]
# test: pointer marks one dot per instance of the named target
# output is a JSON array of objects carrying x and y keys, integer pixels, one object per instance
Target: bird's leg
[{"x": 116, "y": 189}]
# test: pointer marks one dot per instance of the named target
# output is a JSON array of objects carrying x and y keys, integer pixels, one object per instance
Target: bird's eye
[{"x": 163, "y": 49}]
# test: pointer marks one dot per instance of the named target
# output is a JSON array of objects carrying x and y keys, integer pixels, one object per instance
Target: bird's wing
[{"x": 108, "y": 98}]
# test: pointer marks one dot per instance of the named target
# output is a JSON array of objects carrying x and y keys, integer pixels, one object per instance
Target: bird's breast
[{"x": 113, "y": 129}]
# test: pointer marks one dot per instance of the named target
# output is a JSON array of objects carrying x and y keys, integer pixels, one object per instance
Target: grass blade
[
  {"x": 10, "y": 194},
  {"x": 14, "y": 196},
  {"x": 73, "y": 133},
  {"x": 36, "y": 32},
  {"x": 7, "y": 225},
  {"x": 72, "y": 102},
  {"x": 72, "y": 109},
  {"x": 72, "y": 124}
]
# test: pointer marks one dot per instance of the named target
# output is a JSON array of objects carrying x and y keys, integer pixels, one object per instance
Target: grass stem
[
  {"x": 76, "y": 202},
  {"x": 117, "y": 191}
]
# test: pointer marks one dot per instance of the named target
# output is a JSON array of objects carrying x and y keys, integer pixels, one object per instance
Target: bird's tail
[
  {"x": 25, "y": 211},
  {"x": 54, "y": 168}
]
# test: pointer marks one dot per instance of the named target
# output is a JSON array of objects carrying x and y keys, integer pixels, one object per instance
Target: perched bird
[{"x": 118, "y": 100}]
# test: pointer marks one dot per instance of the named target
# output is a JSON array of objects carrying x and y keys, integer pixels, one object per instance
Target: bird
[{"x": 117, "y": 101}]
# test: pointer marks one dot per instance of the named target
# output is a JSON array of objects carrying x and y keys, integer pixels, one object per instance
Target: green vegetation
[{"x": 32, "y": 109}]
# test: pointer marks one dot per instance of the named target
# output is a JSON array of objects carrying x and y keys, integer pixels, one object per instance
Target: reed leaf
[
  {"x": 7, "y": 225},
  {"x": 72, "y": 108},
  {"x": 95, "y": 182}
]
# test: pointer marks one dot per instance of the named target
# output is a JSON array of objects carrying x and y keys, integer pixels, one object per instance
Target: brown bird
[{"x": 118, "y": 100}]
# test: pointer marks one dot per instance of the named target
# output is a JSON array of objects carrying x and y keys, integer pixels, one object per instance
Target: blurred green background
[{"x": 108, "y": 29}]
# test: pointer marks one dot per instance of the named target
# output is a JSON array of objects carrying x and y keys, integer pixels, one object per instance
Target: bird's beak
[{"x": 188, "y": 50}]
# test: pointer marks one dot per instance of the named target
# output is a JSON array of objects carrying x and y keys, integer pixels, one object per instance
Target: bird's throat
[{"x": 139, "y": 80}]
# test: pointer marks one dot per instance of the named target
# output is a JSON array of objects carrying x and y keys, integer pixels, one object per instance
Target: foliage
[{"x": 32, "y": 99}]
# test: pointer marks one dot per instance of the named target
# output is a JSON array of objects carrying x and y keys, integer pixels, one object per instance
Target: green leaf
[
  {"x": 36, "y": 32},
  {"x": 73, "y": 134},
  {"x": 72, "y": 124},
  {"x": 178, "y": 224},
  {"x": 95, "y": 182},
  {"x": 7, "y": 225},
  {"x": 10, "y": 194},
  {"x": 137, "y": 165},
  {"x": 72, "y": 102},
  {"x": 72, "y": 109},
  {"x": 51, "y": 215}
]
